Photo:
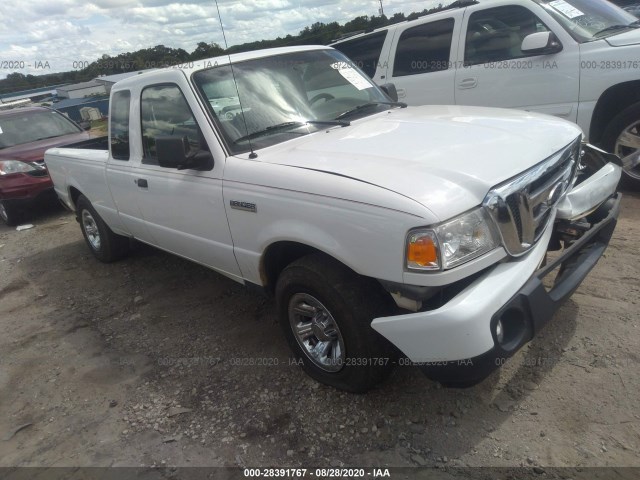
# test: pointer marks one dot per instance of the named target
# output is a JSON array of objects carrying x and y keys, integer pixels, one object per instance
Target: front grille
[
  {"x": 42, "y": 172},
  {"x": 38, "y": 173},
  {"x": 522, "y": 207},
  {"x": 512, "y": 203}
]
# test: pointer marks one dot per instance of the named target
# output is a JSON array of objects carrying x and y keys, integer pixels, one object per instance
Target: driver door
[{"x": 183, "y": 209}]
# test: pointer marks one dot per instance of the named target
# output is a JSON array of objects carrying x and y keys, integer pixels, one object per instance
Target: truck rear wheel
[
  {"x": 622, "y": 137},
  {"x": 9, "y": 214},
  {"x": 105, "y": 245},
  {"x": 326, "y": 310}
]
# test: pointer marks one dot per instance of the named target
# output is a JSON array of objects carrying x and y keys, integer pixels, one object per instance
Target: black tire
[
  {"x": 9, "y": 214},
  {"x": 621, "y": 122},
  {"x": 352, "y": 303},
  {"x": 110, "y": 246}
]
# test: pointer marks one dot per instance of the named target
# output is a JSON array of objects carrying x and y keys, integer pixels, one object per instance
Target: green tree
[{"x": 206, "y": 50}]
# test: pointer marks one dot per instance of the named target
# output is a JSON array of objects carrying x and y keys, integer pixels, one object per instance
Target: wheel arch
[
  {"x": 614, "y": 100},
  {"x": 277, "y": 256},
  {"x": 74, "y": 194}
]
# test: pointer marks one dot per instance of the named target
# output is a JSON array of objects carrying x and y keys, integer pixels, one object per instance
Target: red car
[{"x": 25, "y": 134}]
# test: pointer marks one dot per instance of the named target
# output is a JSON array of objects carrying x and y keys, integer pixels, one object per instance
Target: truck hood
[
  {"x": 446, "y": 158},
  {"x": 34, "y": 151},
  {"x": 632, "y": 37}
]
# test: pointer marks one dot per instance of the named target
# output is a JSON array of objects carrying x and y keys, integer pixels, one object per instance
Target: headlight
[
  {"x": 8, "y": 167},
  {"x": 451, "y": 243}
]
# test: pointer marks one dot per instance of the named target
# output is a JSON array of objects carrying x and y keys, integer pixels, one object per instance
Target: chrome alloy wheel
[
  {"x": 91, "y": 229},
  {"x": 627, "y": 143},
  {"x": 316, "y": 332}
]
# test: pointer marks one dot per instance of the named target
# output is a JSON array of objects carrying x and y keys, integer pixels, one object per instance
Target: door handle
[
  {"x": 468, "y": 83},
  {"x": 401, "y": 92},
  {"x": 142, "y": 183}
]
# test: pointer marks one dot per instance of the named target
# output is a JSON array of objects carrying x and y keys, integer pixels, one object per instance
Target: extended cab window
[
  {"x": 165, "y": 113},
  {"x": 120, "y": 125},
  {"x": 496, "y": 34},
  {"x": 365, "y": 51},
  {"x": 425, "y": 48}
]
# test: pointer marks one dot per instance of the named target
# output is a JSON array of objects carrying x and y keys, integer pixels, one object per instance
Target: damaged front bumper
[
  {"x": 463, "y": 341},
  {"x": 601, "y": 172}
]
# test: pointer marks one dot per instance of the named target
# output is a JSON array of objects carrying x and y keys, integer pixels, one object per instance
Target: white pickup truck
[
  {"x": 575, "y": 59},
  {"x": 387, "y": 234}
]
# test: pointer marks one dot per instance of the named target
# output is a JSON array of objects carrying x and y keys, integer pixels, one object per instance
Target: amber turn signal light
[{"x": 422, "y": 251}]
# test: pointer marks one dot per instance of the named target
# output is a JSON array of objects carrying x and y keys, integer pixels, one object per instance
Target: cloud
[
  {"x": 49, "y": 30},
  {"x": 175, "y": 14},
  {"x": 65, "y": 33}
]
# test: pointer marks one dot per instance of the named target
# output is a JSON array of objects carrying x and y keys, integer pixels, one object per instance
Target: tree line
[{"x": 161, "y": 56}]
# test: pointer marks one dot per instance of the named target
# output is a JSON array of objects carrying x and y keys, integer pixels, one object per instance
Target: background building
[{"x": 81, "y": 90}]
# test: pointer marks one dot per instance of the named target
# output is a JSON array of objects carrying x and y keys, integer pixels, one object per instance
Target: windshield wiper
[
  {"x": 369, "y": 105},
  {"x": 613, "y": 28},
  {"x": 342, "y": 123},
  {"x": 289, "y": 125}
]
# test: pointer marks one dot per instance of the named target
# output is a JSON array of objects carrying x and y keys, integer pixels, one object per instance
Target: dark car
[{"x": 25, "y": 134}]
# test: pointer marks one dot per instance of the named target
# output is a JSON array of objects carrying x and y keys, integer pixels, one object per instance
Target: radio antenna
[{"x": 253, "y": 154}]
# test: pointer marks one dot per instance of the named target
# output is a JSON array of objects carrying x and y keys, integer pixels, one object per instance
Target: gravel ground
[{"x": 157, "y": 361}]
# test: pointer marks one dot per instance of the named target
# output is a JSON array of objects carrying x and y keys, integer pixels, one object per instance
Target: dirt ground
[{"x": 148, "y": 361}]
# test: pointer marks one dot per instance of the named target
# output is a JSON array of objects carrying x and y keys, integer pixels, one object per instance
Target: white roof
[{"x": 119, "y": 76}]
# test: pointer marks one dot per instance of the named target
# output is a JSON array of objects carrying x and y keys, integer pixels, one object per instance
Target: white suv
[{"x": 575, "y": 59}]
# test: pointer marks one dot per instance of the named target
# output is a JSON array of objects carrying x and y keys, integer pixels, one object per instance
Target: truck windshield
[
  {"x": 285, "y": 96},
  {"x": 589, "y": 20},
  {"x": 18, "y": 128}
]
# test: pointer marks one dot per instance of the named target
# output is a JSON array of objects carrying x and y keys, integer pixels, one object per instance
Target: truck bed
[
  {"x": 80, "y": 163},
  {"x": 97, "y": 143}
]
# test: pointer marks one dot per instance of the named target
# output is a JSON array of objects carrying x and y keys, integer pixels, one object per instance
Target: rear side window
[
  {"x": 425, "y": 48},
  {"x": 165, "y": 112},
  {"x": 364, "y": 52},
  {"x": 120, "y": 125}
]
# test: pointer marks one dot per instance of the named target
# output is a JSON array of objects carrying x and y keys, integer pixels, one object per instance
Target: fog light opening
[
  {"x": 511, "y": 328},
  {"x": 499, "y": 332}
]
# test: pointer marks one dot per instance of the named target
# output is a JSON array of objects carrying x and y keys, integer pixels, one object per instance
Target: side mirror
[
  {"x": 541, "y": 43},
  {"x": 174, "y": 152},
  {"x": 390, "y": 90}
]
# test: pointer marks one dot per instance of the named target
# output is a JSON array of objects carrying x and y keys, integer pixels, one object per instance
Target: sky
[{"x": 48, "y": 36}]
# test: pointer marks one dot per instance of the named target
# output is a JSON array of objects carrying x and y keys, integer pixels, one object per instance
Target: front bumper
[
  {"x": 24, "y": 187},
  {"x": 457, "y": 344}
]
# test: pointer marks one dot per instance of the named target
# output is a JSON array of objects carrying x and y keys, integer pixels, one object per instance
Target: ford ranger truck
[
  {"x": 575, "y": 59},
  {"x": 387, "y": 234},
  {"x": 25, "y": 134}
]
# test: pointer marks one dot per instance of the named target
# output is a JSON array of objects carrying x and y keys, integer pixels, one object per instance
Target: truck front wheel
[
  {"x": 105, "y": 245},
  {"x": 326, "y": 310},
  {"x": 622, "y": 137}
]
